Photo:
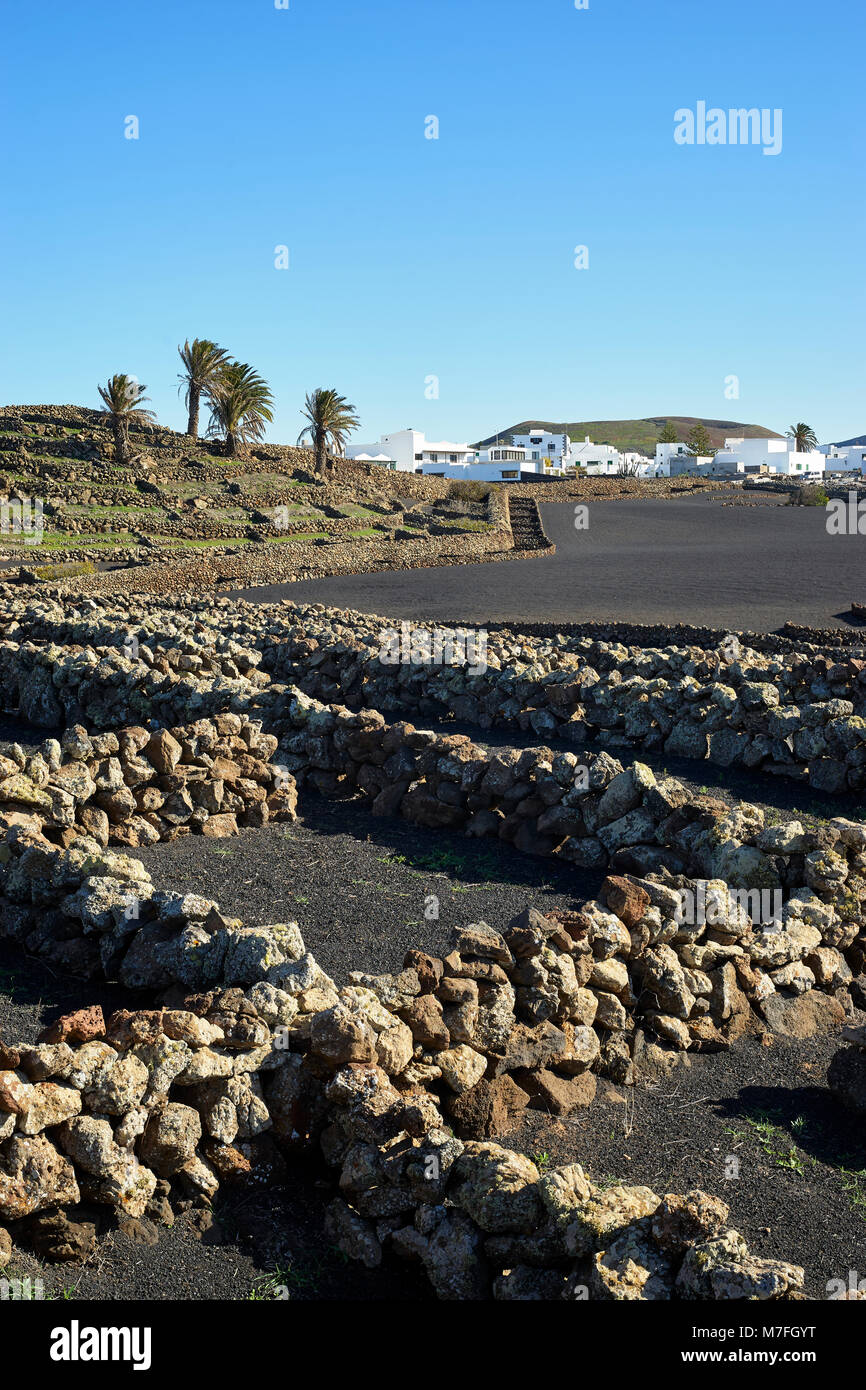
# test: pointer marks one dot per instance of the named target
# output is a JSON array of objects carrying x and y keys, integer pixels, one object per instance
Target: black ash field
[{"x": 691, "y": 560}]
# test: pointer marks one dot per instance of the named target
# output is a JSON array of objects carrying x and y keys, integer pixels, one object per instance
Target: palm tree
[
  {"x": 241, "y": 405},
  {"x": 330, "y": 419},
  {"x": 203, "y": 361},
  {"x": 804, "y": 438},
  {"x": 122, "y": 397}
]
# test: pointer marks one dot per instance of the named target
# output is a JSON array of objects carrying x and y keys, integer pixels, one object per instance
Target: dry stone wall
[
  {"x": 158, "y": 1108},
  {"x": 719, "y": 913},
  {"x": 795, "y": 714},
  {"x": 402, "y": 1081},
  {"x": 145, "y": 786}
]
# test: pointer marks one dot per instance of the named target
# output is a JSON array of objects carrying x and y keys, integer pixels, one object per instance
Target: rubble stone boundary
[
  {"x": 404, "y": 1081},
  {"x": 708, "y": 903},
  {"x": 795, "y": 714},
  {"x": 156, "y": 1109},
  {"x": 144, "y": 786}
]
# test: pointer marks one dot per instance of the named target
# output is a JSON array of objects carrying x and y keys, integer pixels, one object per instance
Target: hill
[
  {"x": 638, "y": 434},
  {"x": 177, "y": 494},
  {"x": 850, "y": 443}
]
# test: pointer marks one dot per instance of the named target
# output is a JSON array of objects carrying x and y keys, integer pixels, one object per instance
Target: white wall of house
[
  {"x": 409, "y": 450},
  {"x": 497, "y": 471},
  {"x": 680, "y": 465},
  {"x": 666, "y": 452},
  {"x": 595, "y": 458},
  {"x": 849, "y": 458},
  {"x": 495, "y": 463},
  {"x": 774, "y": 455},
  {"x": 541, "y": 444}
]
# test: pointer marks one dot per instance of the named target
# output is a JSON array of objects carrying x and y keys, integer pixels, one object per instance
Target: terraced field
[{"x": 325, "y": 977}]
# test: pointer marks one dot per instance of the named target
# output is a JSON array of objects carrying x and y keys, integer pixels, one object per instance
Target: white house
[
  {"x": 406, "y": 451},
  {"x": 771, "y": 456},
  {"x": 496, "y": 463},
  {"x": 555, "y": 449},
  {"x": 595, "y": 458},
  {"x": 844, "y": 458},
  {"x": 666, "y": 452}
]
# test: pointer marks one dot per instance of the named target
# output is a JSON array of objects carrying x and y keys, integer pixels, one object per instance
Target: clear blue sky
[{"x": 451, "y": 257}]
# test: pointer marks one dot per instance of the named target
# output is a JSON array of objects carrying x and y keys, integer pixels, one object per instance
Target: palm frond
[
  {"x": 203, "y": 360},
  {"x": 122, "y": 398},
  {"x": 330, "y": 419},
  {"x": 241, "y": 404}
]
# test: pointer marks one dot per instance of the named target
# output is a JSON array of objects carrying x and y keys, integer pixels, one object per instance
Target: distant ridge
[
  {"x": 849, "y": 443},
  {"x": 641, "y": 435}
]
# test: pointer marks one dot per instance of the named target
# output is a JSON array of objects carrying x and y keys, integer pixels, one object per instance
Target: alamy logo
[
  {"x": 846, "y": 518},
  {"x": 706, "y": 906},
  {"x": 838, "y": 1288},
  {"x": 729, "y": 649},
  {"x": 24, "y": 1290},
  {"x": 740, "y": 126},
  {"x": 421, "y": 646},
  {"x": 22, "y": 516},
  {"x": 77, "y": 1343}
]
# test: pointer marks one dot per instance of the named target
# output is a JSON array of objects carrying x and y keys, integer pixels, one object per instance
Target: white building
[
  {"x": 595, "y": 458},
  {"x": 407, "y": 451},
  {"x": 844, "y": 458},
  {"x": 496, "y": 463},
  {"x": 665, "y": 453},
  {"x": 541, "y": 445},
  {"x": 771, "y": 456}
]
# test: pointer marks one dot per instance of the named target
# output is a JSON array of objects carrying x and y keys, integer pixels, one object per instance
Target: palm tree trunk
[
  {"x": 321, "y": 453},
  {"x": 121, "y": 442},
  {"x": 194, "y": 398},
  {"x": 231, "y": 444}
]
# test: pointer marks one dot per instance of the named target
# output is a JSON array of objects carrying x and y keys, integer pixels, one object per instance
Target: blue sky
[{"x": 453, "y": 258}]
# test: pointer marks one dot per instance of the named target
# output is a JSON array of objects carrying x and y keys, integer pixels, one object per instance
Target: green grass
[
  {"x": 58, "y": 540},
  {"x": 282, "y": 1282},
  {"x": 357, "y": 510},
  {"x": 214, "y": 543},
  {"x": 300, "y": 536},
  {"x": 763, "y": 1128},
  {"x": 443, "y": 861},
  {"x": 107, "y": 510}
]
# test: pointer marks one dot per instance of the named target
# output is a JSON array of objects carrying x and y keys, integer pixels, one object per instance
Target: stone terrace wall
[
  {"x": 793, "y": 714},
  {"x": 279, "y": 563},
  {"x": 159, "y": 1108},
  {"x": 601, "y": 815},
  {"x": 141, "y": 787}
]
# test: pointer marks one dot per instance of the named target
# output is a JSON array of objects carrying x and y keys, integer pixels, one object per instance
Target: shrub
[
  {"x": 810, "y": 495},
  {"x": 69, "y": 570},
  {"x": 468, "y": 490}
]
